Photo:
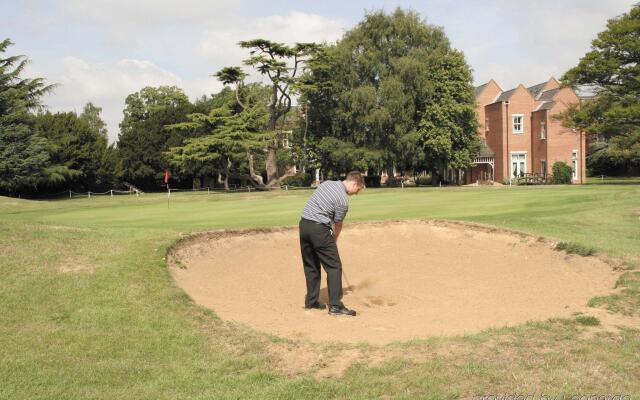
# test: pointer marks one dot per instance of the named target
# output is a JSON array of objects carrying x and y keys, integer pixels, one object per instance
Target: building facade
[{"x": 521, "y": 137}]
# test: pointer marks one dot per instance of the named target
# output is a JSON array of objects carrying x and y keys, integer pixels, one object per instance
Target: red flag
[{"x": 166, "y": 176}]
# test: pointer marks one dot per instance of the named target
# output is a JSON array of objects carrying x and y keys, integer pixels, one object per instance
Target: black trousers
[{"x": 318, "y": 247}]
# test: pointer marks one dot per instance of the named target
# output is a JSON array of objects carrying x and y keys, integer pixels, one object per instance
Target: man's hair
[{"x": 355, "y": 176}]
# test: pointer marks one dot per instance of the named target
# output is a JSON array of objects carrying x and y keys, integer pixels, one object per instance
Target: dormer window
[{"x": 518, "y": 123}]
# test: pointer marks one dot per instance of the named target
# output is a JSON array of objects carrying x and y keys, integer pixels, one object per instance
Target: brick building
[{"x": 521, "y": 137}]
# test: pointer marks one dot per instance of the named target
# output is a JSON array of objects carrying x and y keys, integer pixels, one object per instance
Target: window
[
  {"x": 486, "y": 124},
  {"x": 543, "y": 130},
  {"x": 574, "y": 164},
  {"x": 518, "y": 164},
  {"x": 518, "y": 123},
  {"x": 543, "y": 167}
]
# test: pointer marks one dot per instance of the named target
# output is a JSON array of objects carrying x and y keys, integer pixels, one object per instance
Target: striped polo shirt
[{"x": 328, "y": 203}]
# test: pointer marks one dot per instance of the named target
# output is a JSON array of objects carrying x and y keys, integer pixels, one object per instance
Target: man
[{"x": 320, "y": 228}]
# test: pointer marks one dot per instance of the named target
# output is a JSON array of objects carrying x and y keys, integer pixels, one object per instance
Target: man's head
[{"x": 354, "y": 182}]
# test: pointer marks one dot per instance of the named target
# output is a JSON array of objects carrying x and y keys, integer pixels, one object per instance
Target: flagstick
[{"x": 168, "y": 194}]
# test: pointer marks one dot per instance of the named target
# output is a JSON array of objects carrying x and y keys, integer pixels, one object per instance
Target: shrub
[
  {"x": 423, "y": 180},
  {"x": 372, "y": 181},
  {"x": 392, "y": 182},
  {"x": 562, "y": 173},
  {"x": 301, "y": 179}
]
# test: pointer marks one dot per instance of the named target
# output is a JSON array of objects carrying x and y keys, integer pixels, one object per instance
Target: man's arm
[{"x": 337, "y": 227}]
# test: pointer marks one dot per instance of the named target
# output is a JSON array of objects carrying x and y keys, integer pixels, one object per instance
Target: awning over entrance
[{"x": 486, "y": 156}]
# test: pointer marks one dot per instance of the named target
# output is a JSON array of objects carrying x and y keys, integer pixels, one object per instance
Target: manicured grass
[
  {"x": 89, "y": 310},
  {"x": 613, "y": 180}
]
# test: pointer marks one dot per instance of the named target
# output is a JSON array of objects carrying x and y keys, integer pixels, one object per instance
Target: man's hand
[{"x": 337, "y": 227}]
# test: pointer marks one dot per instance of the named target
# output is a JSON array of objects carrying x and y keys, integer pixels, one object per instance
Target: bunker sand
[{"x": 409, "y": 280}]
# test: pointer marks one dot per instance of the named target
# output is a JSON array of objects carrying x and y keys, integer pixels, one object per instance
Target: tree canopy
[
  {"x": 391, "y": 93},
  {"x": 23, "y": 154},
  {"x": 143, "y": 137},
  {"x": 231, "y": 135},
  {"x": 612, "y": 71},
  {"x": 77, "y": 149},
  {"x": 283, "y": 66}
]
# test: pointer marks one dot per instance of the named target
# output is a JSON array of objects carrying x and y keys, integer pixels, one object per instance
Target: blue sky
[{"x": 103, "y": 50}]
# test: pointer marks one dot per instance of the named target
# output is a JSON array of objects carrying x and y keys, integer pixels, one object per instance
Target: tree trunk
[
  {"x": 272, "y": 167},
  {"x": 227, "y": 165},
  {"x": 435, "y": 174},
  {"x": 255, "y": 178},
  {"x": 303, "y": 167}
]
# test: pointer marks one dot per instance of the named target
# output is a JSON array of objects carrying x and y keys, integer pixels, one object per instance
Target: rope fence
[{"x": 70, "y": 194}]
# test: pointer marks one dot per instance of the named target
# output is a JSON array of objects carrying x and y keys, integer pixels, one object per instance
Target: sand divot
[{"x": 409, "y": 280}]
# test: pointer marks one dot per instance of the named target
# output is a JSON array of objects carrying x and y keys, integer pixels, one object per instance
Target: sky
[{"x": 100, "y": 51}]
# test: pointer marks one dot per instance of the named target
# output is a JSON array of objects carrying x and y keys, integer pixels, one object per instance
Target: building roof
[
  {"x": 535, "y": 90},
  {"x": 504, "y": 96},
  {"x": 548, "y": 95},
  {"x": 547, "y": 105},
  {"x": 480, "y": 88}
]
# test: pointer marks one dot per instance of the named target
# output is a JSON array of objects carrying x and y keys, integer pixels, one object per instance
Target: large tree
[
  {"x": 381, "y": 97},
  {"x": 143, "y": 135},
  {"x": 23, "y": 154},
  {"x": 77, "y": 151},
  {"x": 611, "y": 70},
  {"x": 283, "y": 66},
  {"x": 233, "y": 134},
  {"x": 446, "y": 135}
]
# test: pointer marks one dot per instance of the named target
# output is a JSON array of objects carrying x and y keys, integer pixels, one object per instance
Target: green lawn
[{"x": 116, "y": 326}]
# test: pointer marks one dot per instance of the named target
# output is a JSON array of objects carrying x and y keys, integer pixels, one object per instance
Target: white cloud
[
  {"x": 107, "y": 86},
  {"x": 531, "y": 41},
  {"x": 141, "y": 13},
  {"x": 220, "y": 45}
]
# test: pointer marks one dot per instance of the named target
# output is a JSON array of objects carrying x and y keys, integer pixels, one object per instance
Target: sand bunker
[{"x": 409, "y": 280}]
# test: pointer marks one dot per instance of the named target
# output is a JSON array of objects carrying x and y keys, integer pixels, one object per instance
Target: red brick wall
[
  {"x": 539, "y": 145},
  {"x": 521, "y": 102},
  {"x": 494, "y": 112},
  {"x": 562, "y": 140},
  {"x": 486, "y": 96}
]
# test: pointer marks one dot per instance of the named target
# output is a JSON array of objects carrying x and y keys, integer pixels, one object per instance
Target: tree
[
  {"x": 385, "y": 91},
  {"x": 447, "y": 131},
  {"x": 91, "y": 114},
  {"x": 283, "y": 65},
  {"x": 143, "y": 138},
  {"x": 233, "y": 134},
  {"x": 611, "y": 70},
  {"x": 76, "y": 151},
  {"x": 23, "y": 154}
]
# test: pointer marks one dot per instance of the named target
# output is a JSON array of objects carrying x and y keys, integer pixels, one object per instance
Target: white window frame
[
  {"x": 513, "y": 123},
  {"x": 543, "y": 130},
  {"x": 513, "y": 153},
  {"x": 574, "y": 164}
]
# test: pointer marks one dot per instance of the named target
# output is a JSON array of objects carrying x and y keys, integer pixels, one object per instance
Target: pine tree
[
  {"x": 234, "y": 134},
  {"x": 23, "y": 154}
]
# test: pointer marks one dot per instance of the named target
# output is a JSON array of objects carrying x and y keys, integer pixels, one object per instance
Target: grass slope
[{"x": 88, "y": 309}]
